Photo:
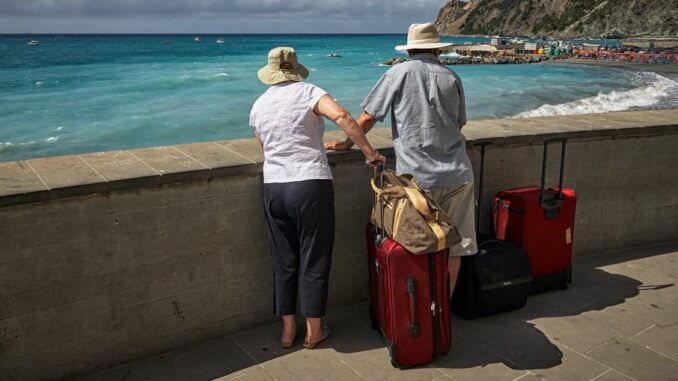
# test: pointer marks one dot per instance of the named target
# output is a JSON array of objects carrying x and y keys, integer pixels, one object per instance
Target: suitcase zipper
[{"x": 434, "y": 306}]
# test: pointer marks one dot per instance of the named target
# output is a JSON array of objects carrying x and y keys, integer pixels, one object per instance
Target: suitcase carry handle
[
  {"x": 552, "y": 205},
  {"x": 415, "y": 328},
  {"x": 481, "y": 176}
]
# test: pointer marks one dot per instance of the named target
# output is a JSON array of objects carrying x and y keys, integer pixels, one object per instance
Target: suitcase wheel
[{"x": 568, "y": 278}]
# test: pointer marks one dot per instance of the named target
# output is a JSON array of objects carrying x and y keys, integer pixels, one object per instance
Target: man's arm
[
  {"x": 462, "y": 105},
  {"x": 330, "y": 109},
  {"x": 365, "y": 121}
]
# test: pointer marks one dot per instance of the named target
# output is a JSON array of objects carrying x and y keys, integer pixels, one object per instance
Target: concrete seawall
[{"x": 112, "y": 256}]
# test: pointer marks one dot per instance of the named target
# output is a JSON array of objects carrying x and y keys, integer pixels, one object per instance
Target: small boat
[
  {"x": 220, "y": 41},
  {"x": 197, "y": 39},
  {"x": 33, "y": 43},
  {"x": 334, "y": 55}
]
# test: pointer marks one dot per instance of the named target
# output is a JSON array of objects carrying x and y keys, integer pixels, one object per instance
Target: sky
[{"x": 214, "y": 16}]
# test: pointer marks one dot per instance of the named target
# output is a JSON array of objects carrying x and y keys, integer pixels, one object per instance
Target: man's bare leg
[{"x": 453, "y": 266}]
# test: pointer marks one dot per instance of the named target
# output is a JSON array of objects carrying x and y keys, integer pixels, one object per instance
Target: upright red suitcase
[
  {"x": 541, "y": 222},
  {"x": 409, "y": 300}
]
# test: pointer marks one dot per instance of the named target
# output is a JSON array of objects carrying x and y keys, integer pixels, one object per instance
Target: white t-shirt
[{"x": 291, "y": 132}]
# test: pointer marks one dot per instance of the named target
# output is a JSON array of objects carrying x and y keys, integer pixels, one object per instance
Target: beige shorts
[{"x": 459, "y": 204}]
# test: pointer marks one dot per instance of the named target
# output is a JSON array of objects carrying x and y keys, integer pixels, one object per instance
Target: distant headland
[{"x": 561, "y": 18}]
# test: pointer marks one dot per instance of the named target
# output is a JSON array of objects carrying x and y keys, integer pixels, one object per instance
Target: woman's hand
[{"x": 339, "y": 145}]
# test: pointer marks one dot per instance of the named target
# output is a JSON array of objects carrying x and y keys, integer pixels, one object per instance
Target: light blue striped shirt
[{"x": 428, "y": 110}]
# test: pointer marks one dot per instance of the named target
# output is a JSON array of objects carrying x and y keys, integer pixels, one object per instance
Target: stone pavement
[{"x": 617, "y": 322}]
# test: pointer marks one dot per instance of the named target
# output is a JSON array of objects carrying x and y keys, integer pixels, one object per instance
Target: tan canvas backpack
[{"x": 409, "y": 216}]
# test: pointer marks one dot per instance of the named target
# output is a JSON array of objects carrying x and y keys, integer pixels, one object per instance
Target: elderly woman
[{"x": 298, "y": 190}]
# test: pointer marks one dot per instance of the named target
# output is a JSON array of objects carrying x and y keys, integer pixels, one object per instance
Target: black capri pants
[{"x": 300, "y": 217}]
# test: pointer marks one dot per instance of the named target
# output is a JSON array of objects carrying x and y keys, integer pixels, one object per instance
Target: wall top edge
[{"x": 45, "y": 179}]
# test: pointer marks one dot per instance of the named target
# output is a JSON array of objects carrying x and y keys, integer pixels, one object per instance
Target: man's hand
[{"x": 338, "y": 145}]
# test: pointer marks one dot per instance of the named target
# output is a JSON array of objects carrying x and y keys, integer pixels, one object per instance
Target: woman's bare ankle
[{"x": 289, "y": 328}]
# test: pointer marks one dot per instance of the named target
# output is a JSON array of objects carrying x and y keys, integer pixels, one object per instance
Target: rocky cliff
[{"x": 571, "y": 18}]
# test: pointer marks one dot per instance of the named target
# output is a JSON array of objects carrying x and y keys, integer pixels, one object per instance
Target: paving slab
[
  {"x": 68, "y": 176},
  {"x": 20, "y": 184},
  {"x": 612, "y": 375},
  {"x": 528, "y": 349},
  {"x": 218, "y": 158},
  {"x": 246, "y": 148},
  {"x": 635, "y": 361},
  {"x": 253, "y": 373},
  {"x": 172, "y": 164},
  {"x": 660, "y": 339},
  {"x": 470, "y": 361},
  {"x": 122, "y": 170}
]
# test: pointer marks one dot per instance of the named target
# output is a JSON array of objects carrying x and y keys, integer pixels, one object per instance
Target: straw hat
[
  {"x": 423, "y": 36},
  {"x": 282, "y": 66}
]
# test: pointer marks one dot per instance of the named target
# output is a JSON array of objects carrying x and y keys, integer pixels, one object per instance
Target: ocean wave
[
  {"x": 653, "y": 89},
  {"x": 9, "y": 146},
  {"x": 6, "y": 146},
  {"x": 52, "y": 139},
  {"x": 188, "y": 79}
]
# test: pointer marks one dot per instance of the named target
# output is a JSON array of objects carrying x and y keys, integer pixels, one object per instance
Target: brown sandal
[
  {"x": 326, "y": 333},
  {"x": 286, "y": 344}
]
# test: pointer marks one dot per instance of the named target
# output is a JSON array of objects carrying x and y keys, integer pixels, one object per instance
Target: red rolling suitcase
[
  {"x": 541, "y": 222},
  {"x": 409, "y": 300}
]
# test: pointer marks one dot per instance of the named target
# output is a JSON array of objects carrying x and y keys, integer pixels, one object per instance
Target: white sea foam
[
  {"x": 653, "y": 89},
  {"x": 39, "y": 83},
  {"x": 222, "y": 75},
  {"x": 60, "y": 128},
  {"x": 6, "y": 146},
  {"x": 453, "y": 55},
  {"x": 52, "y": 139}
]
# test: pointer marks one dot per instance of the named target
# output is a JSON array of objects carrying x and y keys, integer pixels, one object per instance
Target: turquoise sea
[{"x": 85, "y": 93}]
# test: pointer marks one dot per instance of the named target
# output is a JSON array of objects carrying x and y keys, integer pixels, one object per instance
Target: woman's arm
[
  {"x": 365, "y": 121},
  {"x": 330, "y": 109}
]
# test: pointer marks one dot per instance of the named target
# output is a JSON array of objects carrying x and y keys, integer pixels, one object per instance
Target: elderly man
[{"x": 428, "y": 110}]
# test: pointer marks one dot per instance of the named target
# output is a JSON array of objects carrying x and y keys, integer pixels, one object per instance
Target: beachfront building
[
  {"x": 651, "y": 43},
  {"x": 499, "y": 41}
]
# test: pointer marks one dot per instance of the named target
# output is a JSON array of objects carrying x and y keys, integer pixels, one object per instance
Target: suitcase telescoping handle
[
  {"x": 379, "y": 236},
  {"x": 481, "y": 181},
  {"x": 555, "y": 202}
]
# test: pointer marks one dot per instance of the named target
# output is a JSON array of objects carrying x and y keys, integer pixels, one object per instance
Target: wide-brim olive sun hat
[
  {"x": 282, "y": 66},
  {"x": 423, "y": 36}
]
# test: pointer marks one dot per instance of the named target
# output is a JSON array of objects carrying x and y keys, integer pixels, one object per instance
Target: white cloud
[
  {"x": 215, "y": 8},
  {"x": 214, "y": 16}
]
